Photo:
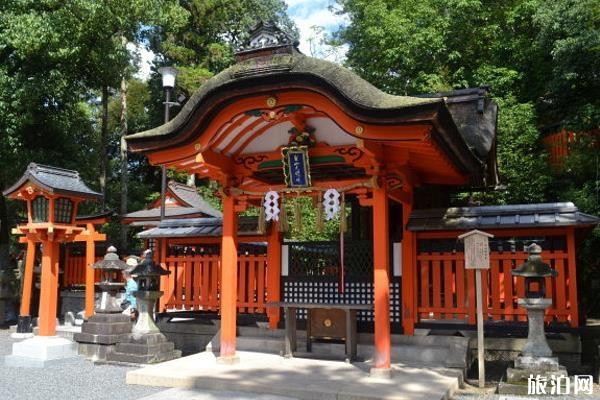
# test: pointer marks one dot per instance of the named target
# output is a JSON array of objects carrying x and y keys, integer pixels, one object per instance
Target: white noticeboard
[
  {"x": 477, "y": 249},
  {"x": 477, "y": 257}
]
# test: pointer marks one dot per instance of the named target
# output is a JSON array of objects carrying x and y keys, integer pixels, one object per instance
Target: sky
[
  {"x": 305, "y": 13},
  {"x": 309, "y": 13}
]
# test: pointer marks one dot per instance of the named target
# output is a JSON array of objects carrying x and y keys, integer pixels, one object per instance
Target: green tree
[
  {"x": 435, "y": 45},
  {"x": 206, "y": 44}
]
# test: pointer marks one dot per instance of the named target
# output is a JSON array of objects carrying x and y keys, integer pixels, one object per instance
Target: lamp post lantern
[{"x": 168, "y": 82}]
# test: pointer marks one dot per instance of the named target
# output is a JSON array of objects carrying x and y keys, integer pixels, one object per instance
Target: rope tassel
[
  {"x": 320, "y": 222},
  {"x": 297, "y": 216},
  {"x": 261, "y": 221},
  {"x": 283, "y": 219}
]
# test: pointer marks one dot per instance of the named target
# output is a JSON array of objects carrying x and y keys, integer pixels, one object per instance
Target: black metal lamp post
[
  {"x": 148, "y": 275},
  {"x": 168, "y": 82}
]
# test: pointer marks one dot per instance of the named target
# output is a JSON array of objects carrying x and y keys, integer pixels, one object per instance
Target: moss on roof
[{"x": 356, "y": 89}]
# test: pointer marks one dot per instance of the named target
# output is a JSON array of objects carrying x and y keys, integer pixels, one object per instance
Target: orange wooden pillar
[
  {"x": 228, "y": 280},
  {"x": 274, "y": 273},
  {"x": 573, "y": 303},
  {"x": 409, "y": 276},
  {"x": 164, "y": 279},
  {"x": 28, "y": 279},
  {"x": 381, "y": 279},
  {"x": 90, "y": 259},
  {"x": 49, "y": 289}
]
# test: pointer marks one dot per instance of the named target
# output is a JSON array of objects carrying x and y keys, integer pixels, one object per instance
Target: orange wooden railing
[
  {"x": 74, "y": 270},
  {"x": 446, "y": 291},
  {"x": 558, "y": 145},
  {"x": 193, "y": 283}
]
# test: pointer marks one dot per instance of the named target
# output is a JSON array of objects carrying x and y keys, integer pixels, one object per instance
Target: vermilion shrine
[{"x": 279, "y": 125}]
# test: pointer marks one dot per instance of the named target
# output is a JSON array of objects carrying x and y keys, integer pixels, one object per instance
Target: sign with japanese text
[
  {"x": 477, "y": 249},
  {"x": 296, "y": 167}
]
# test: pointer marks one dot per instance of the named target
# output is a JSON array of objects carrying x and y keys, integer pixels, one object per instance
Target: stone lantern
[
  {"x": 111, "y": 268},
  {"x": 108, "y": 326},
  {"x": 145, "y": 344},
  {"x": 147, "y": 275},
  {"x": 536, "y": 357}
]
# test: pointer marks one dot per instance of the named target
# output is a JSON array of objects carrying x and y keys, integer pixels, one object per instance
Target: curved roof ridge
[
  {"x": 355, "y": 88},
  {"x": 54, "y": 180}
]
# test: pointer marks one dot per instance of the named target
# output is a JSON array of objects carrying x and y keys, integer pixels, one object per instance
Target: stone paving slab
[
  {"x": 298, "y": 378},
  {"x": 202, "y": 394}
]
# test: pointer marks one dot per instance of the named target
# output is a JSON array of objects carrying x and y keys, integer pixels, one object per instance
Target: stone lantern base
[
  {"x": 536, "y": 358},
  {"x": 144, "y": 348},
  {"x": 100, "y": 333}
]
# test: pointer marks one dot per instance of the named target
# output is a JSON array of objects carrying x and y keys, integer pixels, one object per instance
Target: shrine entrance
[{"x": 279, "y": 125}]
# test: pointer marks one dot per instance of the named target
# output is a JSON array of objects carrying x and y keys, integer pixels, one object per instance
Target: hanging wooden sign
[{"x": 296, "y": 167}]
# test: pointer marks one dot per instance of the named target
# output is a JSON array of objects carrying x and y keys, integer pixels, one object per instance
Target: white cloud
[
  {"x": 145, "y": 60},
  {"x": 307, "y": 14}
]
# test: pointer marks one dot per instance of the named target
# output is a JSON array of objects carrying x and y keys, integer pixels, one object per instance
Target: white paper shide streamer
[
  {"x": 331, "y": 204},
  {"x": 271, "y": 205}
]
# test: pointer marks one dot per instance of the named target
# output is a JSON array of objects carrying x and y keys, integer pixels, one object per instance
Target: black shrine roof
[
  {"x": 514, "y": 216},
  {"x": 194, "y": 206},
  {"x": 199, "y": 227},
  {"x": 55, "y": 181}
]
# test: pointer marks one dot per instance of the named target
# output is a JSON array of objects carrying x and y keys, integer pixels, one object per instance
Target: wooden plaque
[{"x": 477, "y": 249}]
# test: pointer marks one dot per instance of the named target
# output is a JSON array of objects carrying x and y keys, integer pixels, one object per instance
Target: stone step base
[
  {"x": 40, "y": 351},
  {"x": 435, "y": 351},
  {"x": 94, "y": 352},
  {"x": 142, "y": 349},
  {"x": 520, "y": 376},
  {"x": 99, "y": 339},
  {"x": 106, "y": 328},
  {"x": 143, "y": 358}
]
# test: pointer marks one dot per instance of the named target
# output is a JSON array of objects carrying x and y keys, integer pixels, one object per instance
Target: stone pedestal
[
  {"x": 145, "y": 345},
  {"x": 536, "y": 358},
  {"x": 147, "y": 348},
  {"x": 100, "y": 333},
  {"x": 40, "y": 351}
]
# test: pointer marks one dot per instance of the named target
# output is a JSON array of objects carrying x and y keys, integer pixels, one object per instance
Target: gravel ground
[{"x": 77, "y": 379}]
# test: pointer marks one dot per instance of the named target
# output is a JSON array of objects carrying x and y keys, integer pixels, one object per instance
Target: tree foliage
[{"x": 539, "y": 57}]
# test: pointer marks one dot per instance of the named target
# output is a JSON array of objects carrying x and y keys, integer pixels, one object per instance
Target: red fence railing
[
  {"x": 558, "y": 145},
  {"x": 193, "y": 283},
  {"x": 74, "y": 270},
  {"x": 447, "y": 291}
]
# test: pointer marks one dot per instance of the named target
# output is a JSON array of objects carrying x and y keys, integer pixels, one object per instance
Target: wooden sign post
[{"x": 477, "y": 257}]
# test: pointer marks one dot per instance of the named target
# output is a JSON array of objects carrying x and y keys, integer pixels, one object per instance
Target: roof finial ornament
[{"x": 266, "y": 36}]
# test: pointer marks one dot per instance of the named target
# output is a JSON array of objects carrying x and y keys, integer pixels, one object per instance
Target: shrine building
[{"x": 279, "y": 125}]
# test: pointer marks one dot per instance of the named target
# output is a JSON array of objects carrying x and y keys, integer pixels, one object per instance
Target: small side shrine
[
  {"x": 181, "y": 202},
  {"x": 52, "y": 196}
]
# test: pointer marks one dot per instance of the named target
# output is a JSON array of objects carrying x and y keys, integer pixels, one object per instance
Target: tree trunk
[
  {"x": 124, "y": 164},
  {"x": 104, "y": 144},
  {"x": 4, "y": 233}
]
